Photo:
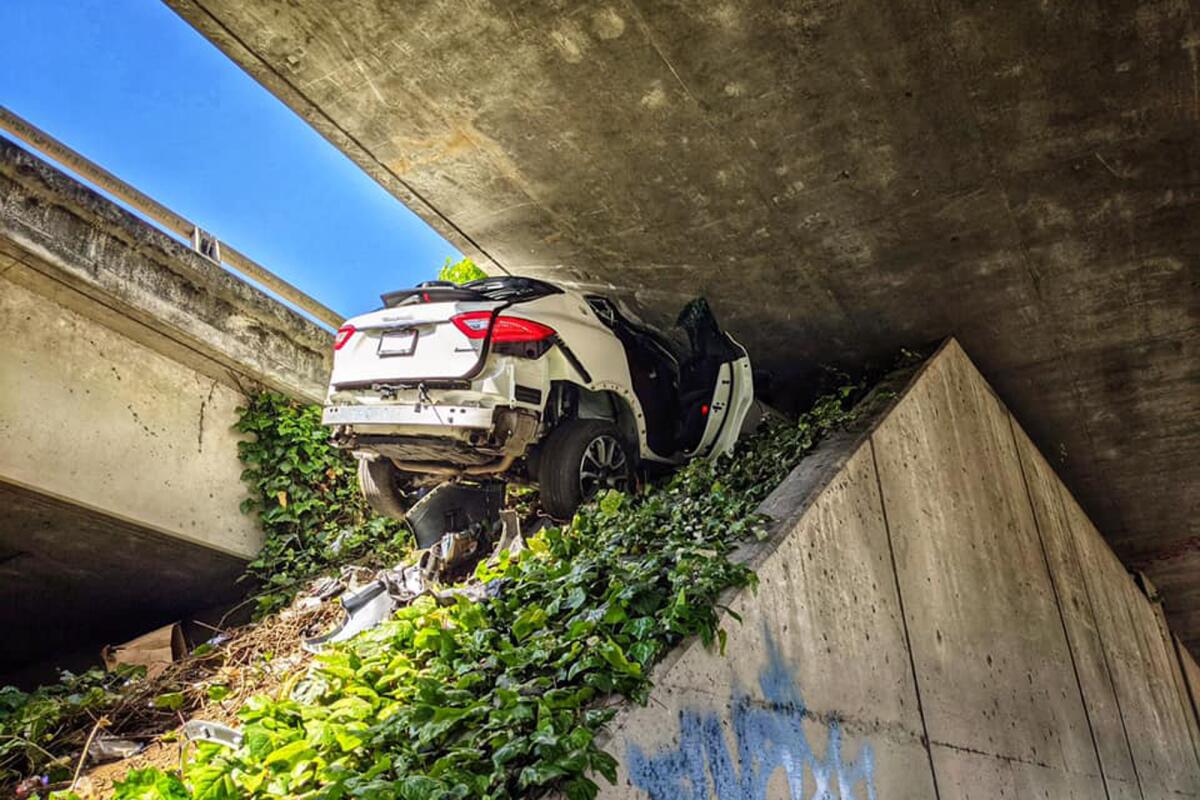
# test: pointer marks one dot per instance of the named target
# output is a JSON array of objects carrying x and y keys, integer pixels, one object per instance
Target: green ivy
[
  {"x": 32, "y": 724},
  {"x": 306, "y": 493},
  {"x": 150, "y": 784},
  {"x": 460, "y": 272},
  {"x": 502, "y": 698}
]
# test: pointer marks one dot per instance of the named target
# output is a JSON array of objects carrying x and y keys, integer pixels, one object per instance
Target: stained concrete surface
[
  {"x": 1152, "y": 710},
  {"x": 1191, "y": 675},
  {"x": 986, "y": 637},
  {"x": 936, "y": 618},
  {"x": 1088, "y": 656},
  {"x": 93, "y": 418},
  {"x": 839, "y": 179}
]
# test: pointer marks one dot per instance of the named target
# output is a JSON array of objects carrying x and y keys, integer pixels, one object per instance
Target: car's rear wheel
[
  {"x": 581, "y": 458},
  {"x": 377, "y": 479}
]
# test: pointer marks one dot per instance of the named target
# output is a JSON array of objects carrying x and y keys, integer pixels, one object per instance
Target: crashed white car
[{"x": 519, "y": 379}]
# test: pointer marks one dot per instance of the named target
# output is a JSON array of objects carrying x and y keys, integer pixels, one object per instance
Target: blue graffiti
[{"x": 770, "y": 736}]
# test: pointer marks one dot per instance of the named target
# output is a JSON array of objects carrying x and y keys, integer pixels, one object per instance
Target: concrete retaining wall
[
  {"x": 936, "y": 618},
  {"x": 125, "y": 355},
  {"x": 92, "y": 417}
]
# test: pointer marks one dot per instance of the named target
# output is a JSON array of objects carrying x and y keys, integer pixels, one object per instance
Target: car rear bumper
[{"x": 409, "y": 414}]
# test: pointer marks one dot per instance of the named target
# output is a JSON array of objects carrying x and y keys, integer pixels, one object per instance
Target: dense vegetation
[
  {"x": 490, "y": 699},
  {"x": 35, "y": 727},
  {"x": 502, "y": 698}
]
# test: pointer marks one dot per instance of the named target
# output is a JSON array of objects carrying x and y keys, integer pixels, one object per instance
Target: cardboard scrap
[{"x": 154, "y": 650}]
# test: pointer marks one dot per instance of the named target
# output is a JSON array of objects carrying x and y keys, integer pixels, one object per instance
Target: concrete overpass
[
  {"x": 840, "y": 179},
  {"x": 125, "y": 357}
]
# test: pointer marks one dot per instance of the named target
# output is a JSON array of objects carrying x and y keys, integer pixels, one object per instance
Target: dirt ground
[{"x": 252, "y": 659}]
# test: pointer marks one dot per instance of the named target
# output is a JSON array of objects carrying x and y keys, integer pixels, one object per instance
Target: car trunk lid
[{"x": 408, "y": 344}]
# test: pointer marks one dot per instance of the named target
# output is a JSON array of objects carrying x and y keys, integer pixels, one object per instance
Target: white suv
[{"x": 517, "y": 378}]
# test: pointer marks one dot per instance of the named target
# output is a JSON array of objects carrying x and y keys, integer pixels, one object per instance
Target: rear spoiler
[{"x": 430, "y": 294}]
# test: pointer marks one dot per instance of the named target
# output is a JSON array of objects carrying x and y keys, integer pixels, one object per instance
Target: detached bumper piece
[
  {"x": 364, "y": 609},
  {"x": 455, "y": 507}
]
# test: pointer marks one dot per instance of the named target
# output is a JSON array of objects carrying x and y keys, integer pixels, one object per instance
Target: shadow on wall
[{"x": 770, "y": 737}]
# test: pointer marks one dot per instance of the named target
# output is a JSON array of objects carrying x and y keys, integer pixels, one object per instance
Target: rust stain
[
  {"x": 1177, "y": 550},
  {"x": 429, "y": 151}
]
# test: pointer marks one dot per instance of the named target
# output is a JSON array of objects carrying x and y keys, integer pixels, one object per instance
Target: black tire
[
  {"x": 579, "y": 458},
  {"x": 377, "y": 482}
]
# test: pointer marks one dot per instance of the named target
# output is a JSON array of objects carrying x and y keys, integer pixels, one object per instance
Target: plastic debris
[
  {"x": 364, "y": 609},
  {"x": 199, "y": 730},
  {"x": 109, "y": 748}
]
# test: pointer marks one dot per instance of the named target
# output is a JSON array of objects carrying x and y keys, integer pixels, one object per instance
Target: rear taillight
[
  {"x": 474, "y": 325},
  {"x": 342, "y": 336},
  {"x": 515, "y": 329}
]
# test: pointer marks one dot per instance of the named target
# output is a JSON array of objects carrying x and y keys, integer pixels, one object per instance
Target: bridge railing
[{"x": 201, "y": 241}]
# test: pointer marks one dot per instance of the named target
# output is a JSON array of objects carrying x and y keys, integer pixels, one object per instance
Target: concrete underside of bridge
[{"x": 840, "y": 178}]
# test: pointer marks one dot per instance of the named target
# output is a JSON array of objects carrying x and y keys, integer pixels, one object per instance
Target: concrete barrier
[{"x": 936, "y": 618}]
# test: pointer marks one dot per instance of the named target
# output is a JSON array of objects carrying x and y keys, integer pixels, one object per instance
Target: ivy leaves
[
  {"x": 306, "y": 494},
  {"x": 32, "y": 724},
  {"x": 150, "y": 784},
  {"x": 504, "y": 697},
  {"x": 462, "y": 271}
]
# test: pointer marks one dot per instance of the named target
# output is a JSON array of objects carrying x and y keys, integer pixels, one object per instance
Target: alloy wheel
[{"x": 603, "y": 466}]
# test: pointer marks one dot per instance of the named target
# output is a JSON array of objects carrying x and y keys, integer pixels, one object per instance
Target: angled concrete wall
[{"x": 936, "y": 618}]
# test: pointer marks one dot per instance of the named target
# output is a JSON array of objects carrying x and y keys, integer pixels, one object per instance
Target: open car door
[
  {"x": 695, "y": 397},
  {"x": 716, "y": 386}
]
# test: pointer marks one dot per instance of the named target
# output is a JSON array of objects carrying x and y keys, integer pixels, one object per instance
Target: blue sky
[{"x": 134, "y": 88}]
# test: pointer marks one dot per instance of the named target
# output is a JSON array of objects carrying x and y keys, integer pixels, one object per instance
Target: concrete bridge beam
[{"x": 126, "y": 356}]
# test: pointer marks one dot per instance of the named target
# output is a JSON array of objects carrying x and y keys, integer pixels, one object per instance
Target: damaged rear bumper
[{"x": 424, "y": 415}]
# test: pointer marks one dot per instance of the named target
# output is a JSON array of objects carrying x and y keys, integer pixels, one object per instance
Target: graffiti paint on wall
[{"x": 770, "y": 737}]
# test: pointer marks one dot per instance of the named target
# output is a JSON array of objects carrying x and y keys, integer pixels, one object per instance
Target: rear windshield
[{"x": 507, "y": 287}]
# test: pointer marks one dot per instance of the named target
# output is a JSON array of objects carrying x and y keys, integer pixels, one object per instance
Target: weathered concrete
[
  {"x": 1152, "y": 710},
  {"x": 935, "y": 619},
  {"x": 125, "y": 358},
  {"x": 1191, "y": 675},
  {"x": 986, "y": 637},
  {"x": 839, "y": 179},
  {"x": 1084, "y": 638},
  {"x": 89, "y": 254},
  {"x": 93, "y": 418}
]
